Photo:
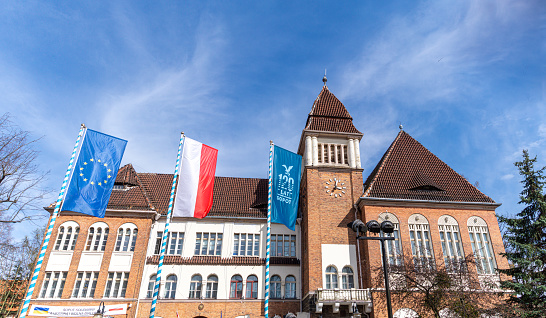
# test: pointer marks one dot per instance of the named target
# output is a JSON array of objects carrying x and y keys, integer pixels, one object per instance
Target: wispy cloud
[{"x": 439, "y": 51}]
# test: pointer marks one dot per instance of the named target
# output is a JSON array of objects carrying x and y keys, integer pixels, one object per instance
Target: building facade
[{"x": 215, "y": 267}]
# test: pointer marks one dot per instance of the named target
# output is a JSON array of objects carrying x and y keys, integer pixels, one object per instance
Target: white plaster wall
[
  {"x": 90, "y": 261},
  {"x": 339, "y": 255},
  {"x": 59, "y": 261},
  {"x": 224, "y": 273}
]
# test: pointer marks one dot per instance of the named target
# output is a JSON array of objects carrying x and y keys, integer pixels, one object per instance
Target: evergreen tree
[{"x": 525, "y": 239}]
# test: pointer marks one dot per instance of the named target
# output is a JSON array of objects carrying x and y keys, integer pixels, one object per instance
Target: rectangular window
[
  {"x": 333, "y": 154},
  {"x": 451, "y": 247},
  {"x": 208, "y": 244},
  {"x": 53, "y": 285},
  {"x": 246, "y": 244},
  {"x": 116, "y": 285},
  {"x": 283, "y": 245},
  {"x": 175, "y": 242},
  {"x": 421, "y": 247},
  {"x": 481, "y": 247},
  {"x": 85, "y": 285}
]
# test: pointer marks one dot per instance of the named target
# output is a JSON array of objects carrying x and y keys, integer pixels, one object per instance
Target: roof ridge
[
  {"x": 143, "y": 190},
  {"x": 381, "y": 163}
]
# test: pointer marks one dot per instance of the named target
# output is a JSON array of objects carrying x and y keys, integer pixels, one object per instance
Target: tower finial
[
  {"x": 401, "y": 127},
  {"x": 324, "y": 79}
]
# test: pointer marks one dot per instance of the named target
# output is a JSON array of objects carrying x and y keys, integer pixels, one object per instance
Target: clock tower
[{"x": 331, "y": 185}]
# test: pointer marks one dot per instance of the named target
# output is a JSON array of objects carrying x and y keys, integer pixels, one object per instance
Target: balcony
[{"x": 343, "y": 297}]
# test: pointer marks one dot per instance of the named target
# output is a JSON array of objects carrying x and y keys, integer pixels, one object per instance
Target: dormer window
[{"x": 332, "y": 154}]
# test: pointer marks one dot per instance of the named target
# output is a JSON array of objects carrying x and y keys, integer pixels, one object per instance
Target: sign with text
[{"x": 76, "y": 311}]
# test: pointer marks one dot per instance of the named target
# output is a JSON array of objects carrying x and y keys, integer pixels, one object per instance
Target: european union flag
[
  {"x": 94, "y": 174},
  {"x": 285, "y": 187}
]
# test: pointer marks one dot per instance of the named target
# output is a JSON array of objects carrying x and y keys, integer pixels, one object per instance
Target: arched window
[
  {"x": 290, "y": 287},
  {"x": 252, "y": 287},
  {"x": 331, "y": 277},
  {"x": 481, "y": 245},
  {"x": 347, "y": 278},
  {"x": 394, "y": 248},
  {"x": 212, "y": 287},
  {"x": 236, "y": 288},
  {"x": 275, "y": 287},
  {"x": 151, "y": 285},
  {"x": 452, "y": 247},
  {"x": 67, "y": 235},
  {"x": 97, "y": 235},
  {"x": 170, "y": 286},
  {"x": 127, "y": 235},
  {"x": 421, "y": 245},
  {"x": 196, "y": 286}
]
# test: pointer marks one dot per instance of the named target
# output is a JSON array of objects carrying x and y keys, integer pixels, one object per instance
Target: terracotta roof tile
[
  {"x": 217, "y": 260},
  {"x": 133, "y": 196},
  {"x": 329, "y": 114},
  {"x": 232, "y": 197},
  {"x": 408, "y": 170}
]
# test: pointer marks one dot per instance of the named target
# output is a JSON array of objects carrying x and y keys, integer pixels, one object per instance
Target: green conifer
[{"x": 525, "y": 240}]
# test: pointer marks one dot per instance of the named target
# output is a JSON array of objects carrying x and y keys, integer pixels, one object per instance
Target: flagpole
[
  {"x": 166, "y": 231},
  {"x": 50, "y": 227},
  {"x": 268, "y": 241}
]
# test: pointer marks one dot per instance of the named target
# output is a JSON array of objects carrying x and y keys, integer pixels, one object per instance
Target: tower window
[{"x": 332, "y": 154}]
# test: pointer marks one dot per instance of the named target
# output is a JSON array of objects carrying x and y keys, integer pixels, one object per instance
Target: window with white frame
[
  {"x": 246, "y": 244},
  {"x": 331, "y": 277},
  {"x": 275, "y": 287},
  {"x": 67, "y": 235},
  {"x": 212, "y": 287},
  {"x": 170, "y": 286},
  {"x": 116, "y": 285},
  {"x": 97, "y": 235},
  {"x": 53, "y": 285},
  {"x": 208, "y": 243},
  {"x": 333, "y": 154},
  {"x": 421, "y": 245},
  {"x": 290, "y": 287},
  {"x": 347, "y": 278},
  {"x": 127, "y": 236},
  {"x": 196, "y": 285},
  {"x": 452, "y": 247},
  {"x": 252, "y": 287},
  {"x": 394, "y": 247},
  {"x": 481, "y": 245},
  {"x": 283, "y": 245},
  {"x": 174, "y": 245},
  {"x": 85, "y": 285},
  {"x": 151, "y": 285}
]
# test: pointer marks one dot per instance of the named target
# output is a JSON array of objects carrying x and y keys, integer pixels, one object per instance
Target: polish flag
[{"x": 196, "y": 182}]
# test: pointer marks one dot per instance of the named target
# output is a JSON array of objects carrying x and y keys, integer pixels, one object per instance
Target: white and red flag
[{"x": 196, "y": 183}]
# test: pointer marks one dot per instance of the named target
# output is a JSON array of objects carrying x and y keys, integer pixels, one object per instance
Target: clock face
[{"x": 335, "y": 187}]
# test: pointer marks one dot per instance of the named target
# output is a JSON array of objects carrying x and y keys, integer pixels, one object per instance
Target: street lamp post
[
  {"x": 100, "y": 311},
  {"x": 373, "y": 226}
]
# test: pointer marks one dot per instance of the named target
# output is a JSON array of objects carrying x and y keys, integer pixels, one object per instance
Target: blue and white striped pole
[
  {"x": 268, "y": 241},
  {"x": 50, "y": 227},
  {"x": 166, "y": 231}
]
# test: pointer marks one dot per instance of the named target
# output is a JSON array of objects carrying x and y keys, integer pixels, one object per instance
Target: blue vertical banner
[
  {"x": 286, "y": 187},
  {"x": 94, "y": 174}
]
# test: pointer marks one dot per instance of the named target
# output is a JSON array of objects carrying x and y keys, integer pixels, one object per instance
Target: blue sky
[{"x": 465, "y": 78}]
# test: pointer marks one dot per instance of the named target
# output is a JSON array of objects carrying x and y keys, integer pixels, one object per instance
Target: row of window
[
  {"x": 211, "y": 244},
  {"x": 68, "y": 232},
  {"x": 452, "y": 248},
  {"x": 85, "y": 284}
]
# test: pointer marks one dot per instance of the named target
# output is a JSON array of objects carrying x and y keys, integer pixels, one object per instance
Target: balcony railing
[{"x": 343, "y": 295}]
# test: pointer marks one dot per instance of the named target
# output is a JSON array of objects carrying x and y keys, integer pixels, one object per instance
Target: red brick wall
[
  {"x": 325, "y": 218},
  {"x": 85, "y": 222}
]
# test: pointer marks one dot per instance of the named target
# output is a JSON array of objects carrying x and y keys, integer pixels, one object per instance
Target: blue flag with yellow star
[{"x": 94, "y": 174}]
